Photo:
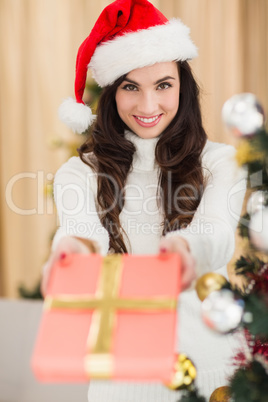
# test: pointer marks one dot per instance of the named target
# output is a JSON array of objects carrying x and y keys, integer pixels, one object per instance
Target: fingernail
[
  {"x": 163, "y": 250},
  {"x": 62, "y": 256}
]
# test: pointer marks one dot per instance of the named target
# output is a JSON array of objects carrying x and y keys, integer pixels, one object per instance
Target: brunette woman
[{"x": 148, "y": 180}]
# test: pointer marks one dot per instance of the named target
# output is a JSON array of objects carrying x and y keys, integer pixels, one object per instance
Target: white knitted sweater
[{"x": 211, "y": 240}]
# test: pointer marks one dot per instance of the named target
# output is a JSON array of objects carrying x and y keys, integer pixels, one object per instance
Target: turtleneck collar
[{"x": 144, "y": 157}]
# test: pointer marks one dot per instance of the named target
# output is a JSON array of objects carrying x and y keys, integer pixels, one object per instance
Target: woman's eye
[
  {"x": 130, "y": 87},
  {"x": 164, "y": 85}
]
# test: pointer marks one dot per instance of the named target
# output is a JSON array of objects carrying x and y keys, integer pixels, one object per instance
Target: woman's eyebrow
[
  {"x": 168, "y": 77},
  {"x": 131, "y": 81}
]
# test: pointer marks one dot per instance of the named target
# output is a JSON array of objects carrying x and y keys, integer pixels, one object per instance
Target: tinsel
[
  {"x": 258, "y": 348},
  {"x": 260, "y": 280}
]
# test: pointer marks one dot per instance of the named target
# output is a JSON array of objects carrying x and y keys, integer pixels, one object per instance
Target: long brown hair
[{"x": 178, "y": 154}]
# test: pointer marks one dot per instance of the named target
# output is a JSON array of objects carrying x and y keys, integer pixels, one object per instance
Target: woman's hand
[
  {"x": 177, "y": 244},
  {"x": 67, "y": 245}
]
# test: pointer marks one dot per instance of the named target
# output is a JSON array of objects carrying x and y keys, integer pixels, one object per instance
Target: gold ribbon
[{"x": 105, "y": 303}]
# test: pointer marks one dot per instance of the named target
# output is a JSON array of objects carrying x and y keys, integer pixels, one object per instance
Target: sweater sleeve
[
  {"x": 211, "y": 234},
  {"x": 75, "y": 201}
]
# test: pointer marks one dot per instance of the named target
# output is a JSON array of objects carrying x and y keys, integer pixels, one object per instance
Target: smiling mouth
[{"x": 148, "y": 121}]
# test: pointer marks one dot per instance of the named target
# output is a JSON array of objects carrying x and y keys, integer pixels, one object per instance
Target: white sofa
[{"x": 19, "y": 321}]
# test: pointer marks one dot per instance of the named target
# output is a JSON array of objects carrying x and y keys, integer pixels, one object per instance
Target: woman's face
[{"x": 148, "y": 98}]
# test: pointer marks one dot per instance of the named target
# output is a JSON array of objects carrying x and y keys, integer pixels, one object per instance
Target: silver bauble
[
  {"x": 221, "y": 311},
  {"x": 258, "y": 229},
  {"x": 243, "y": 114},
  {"x": 257, "y": 201}
]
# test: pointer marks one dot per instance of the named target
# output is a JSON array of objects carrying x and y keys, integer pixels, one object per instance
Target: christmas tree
[{"x": 226, "y": 307}]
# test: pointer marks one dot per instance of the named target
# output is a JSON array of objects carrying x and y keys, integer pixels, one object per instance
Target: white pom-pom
[{"x": 75, "y": 115}]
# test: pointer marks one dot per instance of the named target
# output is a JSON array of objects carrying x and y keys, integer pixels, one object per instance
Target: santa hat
[{"x": 128, "y": 34}]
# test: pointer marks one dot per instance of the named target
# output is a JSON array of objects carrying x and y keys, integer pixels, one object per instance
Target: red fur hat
[{"x": 128, "y": 34}]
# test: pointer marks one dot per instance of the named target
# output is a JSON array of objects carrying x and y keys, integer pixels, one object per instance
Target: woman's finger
[
  {"x": 67, "y": 245},
  {"x": 179, "y": 245}
]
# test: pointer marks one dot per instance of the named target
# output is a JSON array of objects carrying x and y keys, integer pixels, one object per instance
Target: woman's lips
[{"x": 148, "y": 121}]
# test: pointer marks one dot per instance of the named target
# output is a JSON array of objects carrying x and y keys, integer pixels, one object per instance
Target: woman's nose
[{"x": 147, "y": 105}]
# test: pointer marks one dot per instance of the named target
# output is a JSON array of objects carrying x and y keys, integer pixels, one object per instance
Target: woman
[{"x": 147, "y": 179}]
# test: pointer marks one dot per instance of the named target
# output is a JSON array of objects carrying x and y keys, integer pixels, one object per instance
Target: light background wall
[{"x": 38, "y": 44}]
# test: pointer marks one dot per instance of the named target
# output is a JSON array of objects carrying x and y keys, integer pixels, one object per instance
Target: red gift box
[{"x": 109, "y": 317}]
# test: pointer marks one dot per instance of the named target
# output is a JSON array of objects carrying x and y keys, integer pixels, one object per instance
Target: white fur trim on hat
[
  {"x": 75, "y": 115},
  {"x": 160, "y": 43}
]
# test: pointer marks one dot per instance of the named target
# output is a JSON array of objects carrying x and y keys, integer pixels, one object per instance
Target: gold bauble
[
  {"x": 184, "y": 373},
  {"x": 208, "y": 283},
  {"x": 221, "y": 394}
]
